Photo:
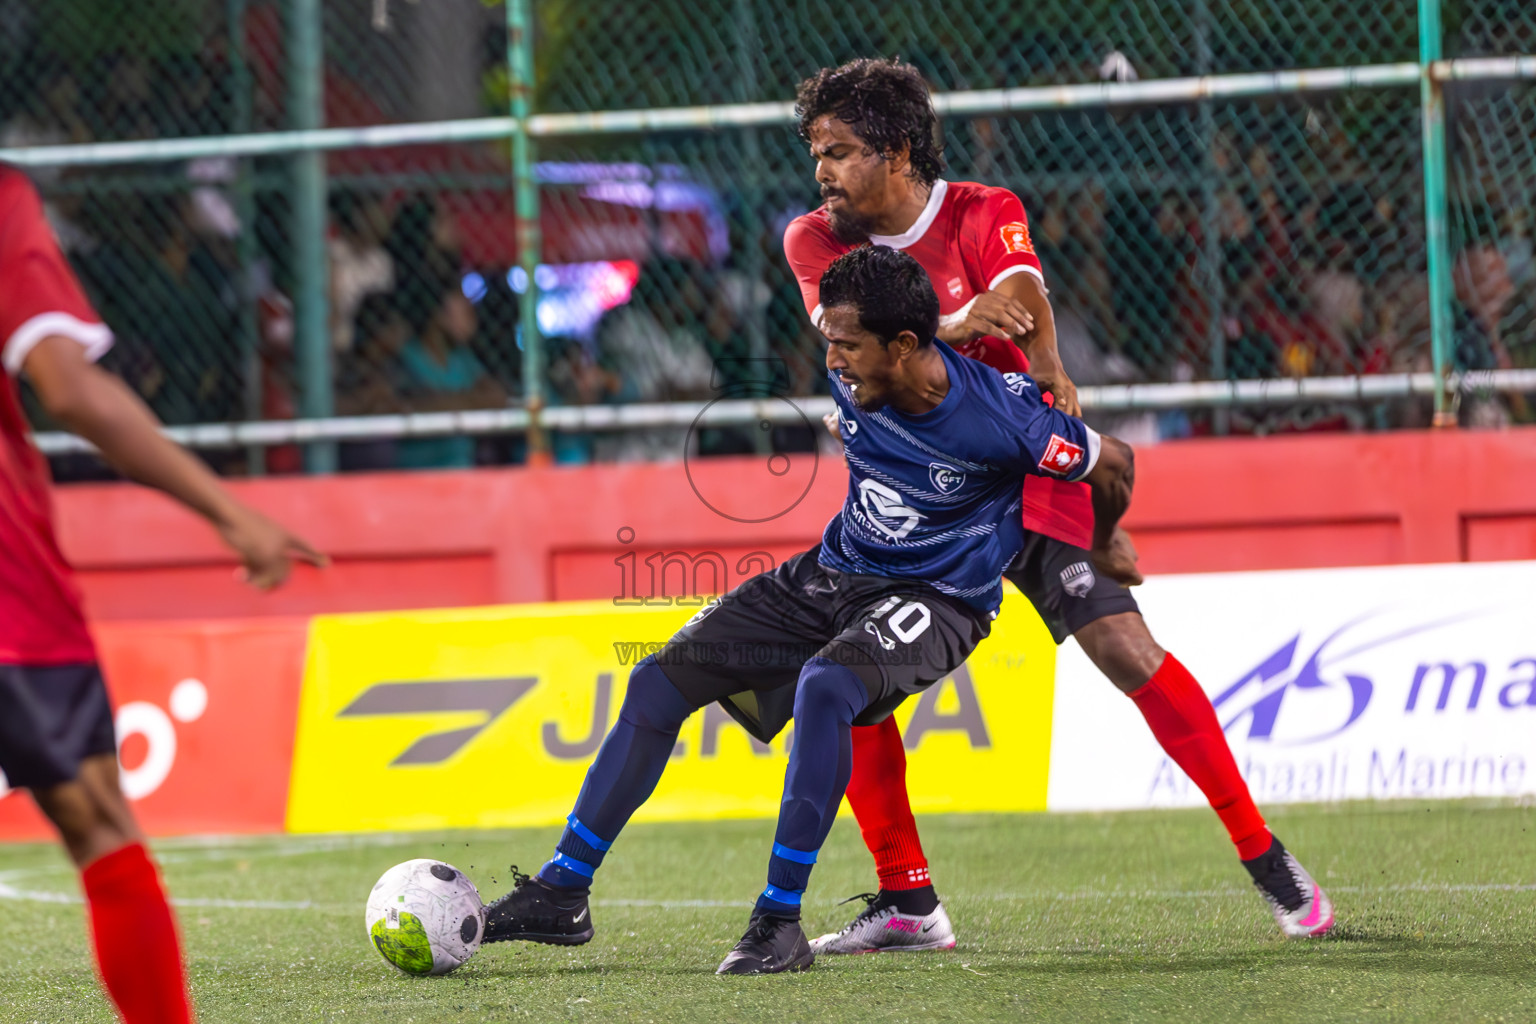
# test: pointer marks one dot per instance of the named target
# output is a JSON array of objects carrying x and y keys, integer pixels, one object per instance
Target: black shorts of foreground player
[{"x": 904, "y": 584}]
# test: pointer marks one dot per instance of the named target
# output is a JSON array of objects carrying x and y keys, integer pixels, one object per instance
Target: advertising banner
[
  {"x": 1406, "y": 681},
  {"x": 489, "y": 717},
  {"x": 205, "y": 715}
]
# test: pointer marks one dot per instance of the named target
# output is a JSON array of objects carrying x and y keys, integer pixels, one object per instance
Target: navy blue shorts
[{"x": 52, "y": 717}]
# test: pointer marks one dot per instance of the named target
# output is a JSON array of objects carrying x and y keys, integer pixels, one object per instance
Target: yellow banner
[{"x": 489, "y": 717}]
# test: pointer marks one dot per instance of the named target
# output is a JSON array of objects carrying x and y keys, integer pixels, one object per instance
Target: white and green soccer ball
[{"x": 425, "y": 917}]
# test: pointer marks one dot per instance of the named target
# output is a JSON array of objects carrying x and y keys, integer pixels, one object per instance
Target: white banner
[{"x": 1406, "y": 681}]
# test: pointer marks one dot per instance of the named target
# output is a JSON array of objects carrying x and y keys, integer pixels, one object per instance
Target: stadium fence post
[
  {"x": 312, "y": 337},
  {"x": 1437, "y": 242},
  {"x": 520, "y": 78},
  {"x": 247, "y": 252},
  {"x": 1210, "y": 216},
  {"x": 748, "y": 48}
]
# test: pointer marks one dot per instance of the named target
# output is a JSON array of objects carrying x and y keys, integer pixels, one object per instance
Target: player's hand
[
  {"x": 992, "y": 313},
  {"x": 830, "y": 419},
  {"x": 1118, "y": 560},
  {"x": 1052, "y": 379},
  {"x": 267, "y": 550}
]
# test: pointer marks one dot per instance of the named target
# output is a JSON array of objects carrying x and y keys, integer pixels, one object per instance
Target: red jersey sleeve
[
  {"x": 810, "y": 249},
  {"x": 1000, "y": 233},
  {"x": 39, "y": 295}
]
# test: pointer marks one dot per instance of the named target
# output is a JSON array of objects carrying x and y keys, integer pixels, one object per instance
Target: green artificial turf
[{"x": 1137, "y": 916}]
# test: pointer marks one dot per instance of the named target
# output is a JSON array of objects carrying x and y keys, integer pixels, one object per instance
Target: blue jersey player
[{"x": 904, "y": 584}]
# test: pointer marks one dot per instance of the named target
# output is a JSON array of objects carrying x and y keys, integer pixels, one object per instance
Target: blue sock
[
  {"x": 626, "y": 771},
  {"x": 577, "y": 857},
  {"x": 827, "y": 699}
]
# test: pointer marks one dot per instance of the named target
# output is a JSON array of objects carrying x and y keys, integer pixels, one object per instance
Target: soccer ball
[{"x": 425, "y": 917}]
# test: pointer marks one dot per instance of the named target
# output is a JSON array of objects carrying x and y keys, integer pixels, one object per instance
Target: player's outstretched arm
[
  {"x": 1039, "y": 344},
  {"x": 1018, "y": 310},
  {"x": 100, "y": 408},
  {"x": 1111, "y": 481}
]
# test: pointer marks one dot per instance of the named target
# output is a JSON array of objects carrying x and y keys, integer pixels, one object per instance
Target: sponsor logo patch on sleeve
[
  {"x": 1061, "y": 456},
  {"x": 1016, "y": 238}
]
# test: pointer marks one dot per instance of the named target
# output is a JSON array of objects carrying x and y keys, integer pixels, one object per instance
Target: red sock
[
  {"x": 877, "y": 792},
  {"x": 1184, "y": 722},
  {"x": 135, "y": 937}
]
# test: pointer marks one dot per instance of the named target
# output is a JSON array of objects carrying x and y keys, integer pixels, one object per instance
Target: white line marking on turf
[
  {"x": 1445, "y": 888},
  {"x": 248, "y": 904},
  {"x": 205, "y": 849},
  {"x": 202, "y": 849},
  {"x": 10, "y": 892},
  {"x": 672, "y": 904}
]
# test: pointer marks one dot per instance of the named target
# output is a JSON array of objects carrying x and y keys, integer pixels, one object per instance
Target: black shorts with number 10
[{"x": 899, "y": 637}]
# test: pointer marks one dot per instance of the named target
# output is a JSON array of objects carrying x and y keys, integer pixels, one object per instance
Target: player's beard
[{"x": 848, "y": 227}]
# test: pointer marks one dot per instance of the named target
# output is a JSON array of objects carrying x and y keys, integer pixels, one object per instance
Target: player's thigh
[
  {"x": 56, "y": 739},
  {"x": 757, "y": 637},
  {"x": 1060, "y": 581},
  {"x": 90, "y": 811},
  {"x": 903, "y": 640},
  {"x": 52, "y": 717}
]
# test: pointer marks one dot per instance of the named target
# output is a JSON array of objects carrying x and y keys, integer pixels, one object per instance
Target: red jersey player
[
  {"x": 56, "y": 736},
  {"x": 872, "y": 132}
]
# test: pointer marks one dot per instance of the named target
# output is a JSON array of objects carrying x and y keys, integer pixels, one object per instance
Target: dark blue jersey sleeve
[{"x": 1043, "y": 441}]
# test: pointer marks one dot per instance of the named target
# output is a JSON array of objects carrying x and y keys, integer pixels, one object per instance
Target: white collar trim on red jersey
[{"x": 913, "y": 234}]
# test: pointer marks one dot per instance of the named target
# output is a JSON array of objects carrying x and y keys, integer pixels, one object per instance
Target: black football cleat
[
  {"x": 772, "y": 945},
  {"x": 536, "y": 912}
]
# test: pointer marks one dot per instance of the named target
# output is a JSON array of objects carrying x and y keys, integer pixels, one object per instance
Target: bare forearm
[
  {"x": 106, "y": 413},
  {"x": 1110, "y": 484},
  {"x": 1039, "y": 345}
]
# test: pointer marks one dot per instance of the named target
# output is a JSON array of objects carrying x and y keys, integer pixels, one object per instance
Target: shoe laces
[
  {"x": 518, "y": 881},
  {"x": 1282, "y": 885},
  {"x": 871, "y": 909},
  {"x": 760, "y": 928}
]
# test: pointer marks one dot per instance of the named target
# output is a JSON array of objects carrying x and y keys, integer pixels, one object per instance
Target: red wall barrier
[
  {"x": 419, "y": 540},
  {"x": 205, "y": 716}
]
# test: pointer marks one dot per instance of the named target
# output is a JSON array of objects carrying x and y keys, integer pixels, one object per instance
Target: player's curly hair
[
  {"x": 890, "y": 289},
  {"x": 885, "y": 102}
]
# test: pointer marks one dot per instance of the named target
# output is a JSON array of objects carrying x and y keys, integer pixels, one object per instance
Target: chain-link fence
[{"x": 1280, "y": 235}]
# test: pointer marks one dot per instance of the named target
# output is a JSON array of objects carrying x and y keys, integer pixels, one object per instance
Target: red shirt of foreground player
[
  {"x": 969, "y": 238},
  {"x": 41, "y": 622}
]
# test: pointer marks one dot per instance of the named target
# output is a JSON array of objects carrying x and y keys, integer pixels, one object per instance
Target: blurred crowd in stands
[{"x": 1313, "y": 277}]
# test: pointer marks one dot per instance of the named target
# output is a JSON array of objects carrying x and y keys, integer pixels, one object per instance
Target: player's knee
[
  {"x": 1122, "y": 648},
  {"x": 87, "y": 828},
  {"x": 652, "y": 701},
  {"x": 825, "y": 687}
]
